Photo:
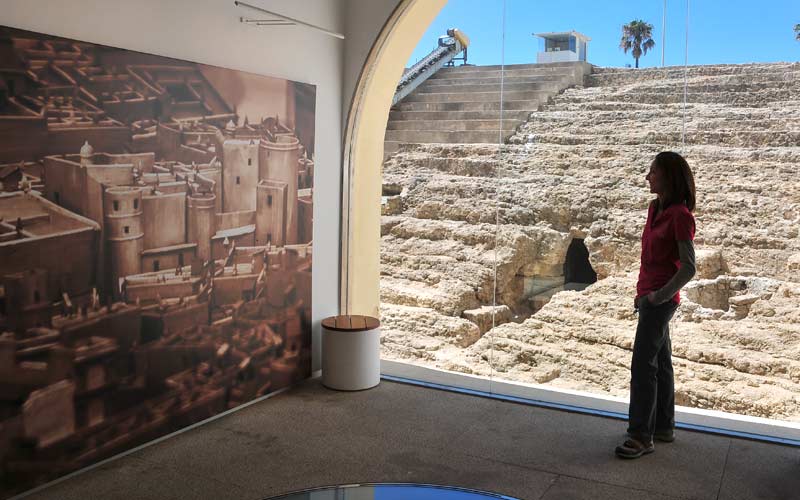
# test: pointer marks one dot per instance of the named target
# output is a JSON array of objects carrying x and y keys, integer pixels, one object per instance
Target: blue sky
[{"x": 720, "y": 31}]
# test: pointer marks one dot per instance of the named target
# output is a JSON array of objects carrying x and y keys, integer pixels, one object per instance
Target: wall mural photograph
[{"x": 155, "y": 247}]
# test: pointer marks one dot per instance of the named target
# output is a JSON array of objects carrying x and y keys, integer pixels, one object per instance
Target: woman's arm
[{"x": 684, "y": 274}]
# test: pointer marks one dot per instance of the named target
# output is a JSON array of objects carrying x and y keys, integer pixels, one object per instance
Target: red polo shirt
[{"x": 660, "y": 259}]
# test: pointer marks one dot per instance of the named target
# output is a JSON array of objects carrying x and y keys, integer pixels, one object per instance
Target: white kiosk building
[{"x": 566, "y": 46}]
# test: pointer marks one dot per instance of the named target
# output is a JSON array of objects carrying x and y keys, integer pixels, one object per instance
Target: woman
[{"x": 667, "y": 265}]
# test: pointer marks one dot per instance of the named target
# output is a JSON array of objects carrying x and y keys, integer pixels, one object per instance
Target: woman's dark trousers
[{"x": 652, "y": 405}]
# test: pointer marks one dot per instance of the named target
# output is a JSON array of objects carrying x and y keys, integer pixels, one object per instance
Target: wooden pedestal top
[{"x": 351, "y": 323}]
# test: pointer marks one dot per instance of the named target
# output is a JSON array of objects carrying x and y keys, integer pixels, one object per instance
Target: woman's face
[{"x": 656, "y": 179}]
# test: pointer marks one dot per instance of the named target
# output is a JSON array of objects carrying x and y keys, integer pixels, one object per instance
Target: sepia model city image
[{"x": 155, "y": 247}]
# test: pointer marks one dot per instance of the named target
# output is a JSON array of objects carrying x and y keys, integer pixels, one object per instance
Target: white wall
[
  {"x": 209, "y": 31},
  {"x": 556, "y": 56},
  {"x": 363, "y": 21}
]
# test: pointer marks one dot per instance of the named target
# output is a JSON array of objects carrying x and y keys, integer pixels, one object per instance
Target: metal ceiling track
[{"x": 280, "y": 20}]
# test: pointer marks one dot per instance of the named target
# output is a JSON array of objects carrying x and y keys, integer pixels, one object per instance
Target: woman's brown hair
[{"x": 678, "y": 179}]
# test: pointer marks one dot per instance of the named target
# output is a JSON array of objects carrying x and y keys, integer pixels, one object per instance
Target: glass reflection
[
  {"x": 517, "y": 257},
  {"x": 392, "y": 492}
]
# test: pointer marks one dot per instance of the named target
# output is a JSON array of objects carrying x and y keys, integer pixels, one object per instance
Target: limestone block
[
  {"x": 740, "y": 304},
  {"x": 483, "y": 316},
  {"x": 388, "y": 223},
  {"x": 711, "y": 294},
  {"x": 793, "y": 264},
  {"x": 419, "y": 331},
  {"x": 392, "y": 205},
  {"x": 743, "y": 300},
  {"x": 709, "y": 263},
  {"x": 541, "y": 284},
  {"x": 392, "y": 188}
]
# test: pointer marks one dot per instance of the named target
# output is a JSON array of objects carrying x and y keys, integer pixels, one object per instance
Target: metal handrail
[{"x": 449, "y": 48}]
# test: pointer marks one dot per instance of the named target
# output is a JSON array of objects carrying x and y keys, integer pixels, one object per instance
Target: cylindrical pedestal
[{"x": 351, "y": 352}]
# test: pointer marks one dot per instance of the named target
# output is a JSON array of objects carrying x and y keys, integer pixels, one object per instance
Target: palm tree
[
  {"x": 636, "y": 37},
  {"x": 797, "y": 30}
]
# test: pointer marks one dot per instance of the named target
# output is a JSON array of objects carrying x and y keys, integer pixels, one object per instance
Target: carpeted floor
[{"x": 311, "y": 436}]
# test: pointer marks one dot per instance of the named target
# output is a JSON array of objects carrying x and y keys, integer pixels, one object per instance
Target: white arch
[{"x": 363, "y": 152}]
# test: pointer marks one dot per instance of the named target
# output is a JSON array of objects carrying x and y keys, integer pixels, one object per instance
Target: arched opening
[
  {"x": 578, "y": 272},
  {"x": 562, "y": 263},
  {"x": 363, "y": 152}
]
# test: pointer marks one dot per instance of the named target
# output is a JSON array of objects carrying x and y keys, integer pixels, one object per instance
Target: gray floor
[{"x": 312, "y": 436}]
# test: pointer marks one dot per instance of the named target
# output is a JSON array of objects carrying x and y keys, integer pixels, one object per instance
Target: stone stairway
[{"x": 463, "y": 104}]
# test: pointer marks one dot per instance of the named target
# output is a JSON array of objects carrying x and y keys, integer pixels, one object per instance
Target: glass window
[{"x": 515, "y": 197}]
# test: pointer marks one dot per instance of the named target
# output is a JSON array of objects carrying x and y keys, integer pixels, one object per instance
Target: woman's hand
[{"x": 651, "y": 298}]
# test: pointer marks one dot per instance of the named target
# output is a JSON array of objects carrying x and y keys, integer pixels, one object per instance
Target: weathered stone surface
[
  {"x": 576, "y": 170},
  {"x": 487, "y": 317},
  {"x": 709, "y": 263},
  {"x": 447, "y": 332},
  {"x": 392, "y": 205}
]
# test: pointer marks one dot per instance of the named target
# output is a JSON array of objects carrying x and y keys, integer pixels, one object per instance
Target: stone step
[
  {"x": 459, "y": 115},
  {"x": 561, "y": 105},
  {"x": 512, "y": 95},
  {"x": 702, "y": 84},
  {"x": 730, "y": 99},
  {"x": 463, "y": 105},
  {"x": 433, "y": 81},
  {"x": 430, "y": 231},
  {"x": 452, "y": 125},
  {"x": 553, "y": 87},
  {"x": 607, "y": 123},
  {"x": 697, "y": 85},
  {"x": 617, "y": 81},
  {"x": 624, "y": 111},
  {"x": 667, "y": 132},
  {"x": 678, "y": 76},
  {"x": 706, "y": 87},
  {"x": 531, "y": 105},
  {"x": 437, "y": 136},
  {"x": 481, "y": 166},
  {"x": 542, "y": 154},
  {"x": 708, "y": 68},
  {"x": 511, "y": 67},
  {"x": 410, "y": 293},
  {"x": 729, "y": 138},
  {"x": 390, "y": 147},
  {"x": 446, "y": 150},
  {"x": 528, "y": 73},
  {"x": 711, "y": 68}
]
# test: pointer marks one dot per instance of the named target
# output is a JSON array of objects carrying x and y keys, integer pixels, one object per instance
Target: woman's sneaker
[
  {"x": 667, "y": 436},
  {"x": 633, "y": 448}
]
